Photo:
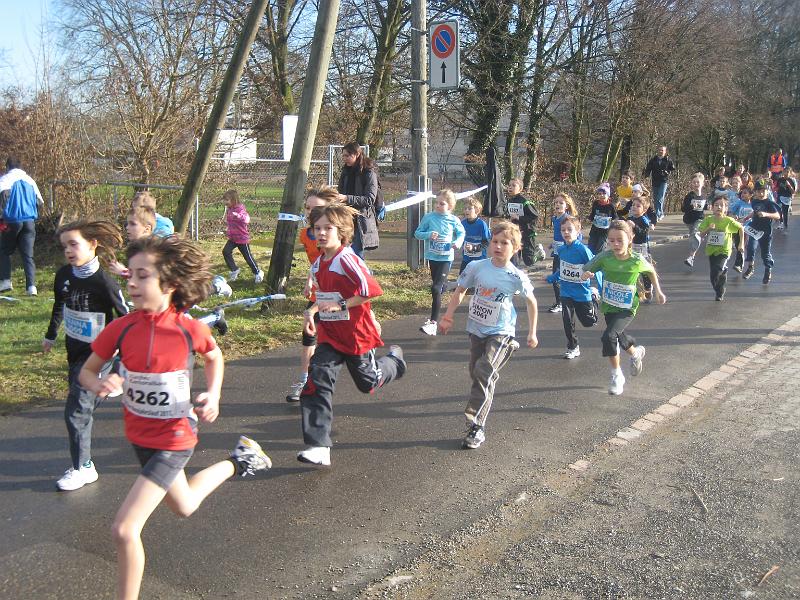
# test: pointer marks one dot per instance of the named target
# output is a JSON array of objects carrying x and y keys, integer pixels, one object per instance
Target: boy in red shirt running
[
  {"x": 347, "y": 332},
  {"x": 155, "y": 346}
]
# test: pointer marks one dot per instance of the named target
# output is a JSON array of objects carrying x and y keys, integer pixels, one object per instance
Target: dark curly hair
[
  {"x": 180, "y": 264},
  {"x": 105, "y": 233}
]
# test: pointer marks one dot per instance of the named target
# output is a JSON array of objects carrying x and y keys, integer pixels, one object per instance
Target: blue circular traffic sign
[{"x": 443, "y": 41}]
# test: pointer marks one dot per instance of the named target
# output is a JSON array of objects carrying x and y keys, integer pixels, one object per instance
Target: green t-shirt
[
  {"x": 619, "y": 279},
  {"x": 720, "y": 239}
]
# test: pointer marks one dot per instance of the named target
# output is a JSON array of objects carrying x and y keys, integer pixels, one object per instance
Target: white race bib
[
  {"x": 618, "y": 294},
  {"x": 83, "y": 326},
  {"x": 157, "y": 395},
  {"x": 556, "y": 246},
  {"x": 473, "y": 249},
  {"x": 483, "y": 311},
  {"x": 754, "y": 233},
  {"x": 642, "y": 249},
  {"x": 570, "y": 272},
  {"x": 440, "y": 247},
  {"x": 341, "y": 315},
  {"x": 602, "y": 221},
  {"x": 716, "y": 238},
  {"x": 515, "y": 209},
  {"x": 698, "y": 203}
]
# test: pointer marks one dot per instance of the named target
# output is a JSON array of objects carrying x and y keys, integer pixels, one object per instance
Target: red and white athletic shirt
[
  {"x": 344, "y": 276},
  {"x": 155, "y": 343}
]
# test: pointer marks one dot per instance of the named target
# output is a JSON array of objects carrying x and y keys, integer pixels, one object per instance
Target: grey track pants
[{"x": 487, "y": 356}]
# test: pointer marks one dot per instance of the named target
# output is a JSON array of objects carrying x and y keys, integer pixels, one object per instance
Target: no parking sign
[{"x": 444, "y": 57}]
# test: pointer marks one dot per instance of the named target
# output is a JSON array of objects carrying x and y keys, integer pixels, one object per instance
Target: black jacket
[
  {"x": 361, "y": 189},
  {"x": 658, "y": 169}
]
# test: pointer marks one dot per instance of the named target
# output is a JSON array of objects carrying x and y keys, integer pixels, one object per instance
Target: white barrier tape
[
  {"x": 420, "y": 196},
  {"x": 462, "y": 195},
  {"x": 290, "y": 217}
]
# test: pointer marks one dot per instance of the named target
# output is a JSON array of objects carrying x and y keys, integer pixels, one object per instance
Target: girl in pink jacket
[{"x": 238, "y": 236}]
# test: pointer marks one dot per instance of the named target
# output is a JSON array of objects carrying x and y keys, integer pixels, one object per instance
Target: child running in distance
[
  {"x": 442, "y": 232},
  {"x": 156, "y": 345},
  {"x": 719, "y": 229},
  {"x": 164, "y": 225},
  {"x": 476, "y": 233},
  {"x": 139, "y": 222},
  {"x": 693, "y": 208},
  {"x": 563, "y": 207},
  {"x": 237, "y": 219},
  {"x": 321, "y": 197},
  {"x": 639, "y": 190},
  {"x": 621, "y": 269},
  {"x": 491, "y": 322},
  {"x": 347, "y": 332},
  {"x": 523, "y": 212},
  {"x": 787, "y": 187},
  {"x": 741, "y": 210},
  {"x": 577, "y": 297},
  {"x": 601, "y": 215},
  {"x": 640, "y": 224},
  {"x": 86, "y": 299},
  {"x": 759, "y": 231},
  {"x": 624, "y": 189}
]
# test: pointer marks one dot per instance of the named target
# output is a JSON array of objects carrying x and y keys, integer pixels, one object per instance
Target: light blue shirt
[
  {"x": 450, "y": 231},
  {"x": 164, "y": 226},
  {"x": 491, "y": 309}
]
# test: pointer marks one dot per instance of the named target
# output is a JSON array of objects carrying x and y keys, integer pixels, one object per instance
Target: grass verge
[{"x": 28, "y": 376}]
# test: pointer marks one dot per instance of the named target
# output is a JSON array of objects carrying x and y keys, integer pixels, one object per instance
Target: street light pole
[{"x": 419, "y": 125}]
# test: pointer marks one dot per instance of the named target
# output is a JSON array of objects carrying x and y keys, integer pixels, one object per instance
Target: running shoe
[
  {"x": 617, "y": 383},
  {"x": 636, "y": 360},
  {"x": 259, "y": 276},
  {"x": 428, "y": 327},
  {"x": 539, "y": 253},
  {"x": 5, "y": 285},
  {"x": 689, "y": 261},
  {"x": 249, "y": 457},
  {"x": 221, "y": 287},
  {"x": 574, "y": 353},
  {"x": 556, "y": 308},
  {"x": 396, "y": 352},
  {"x": 316, "y": 455},
  {"x": 780, "y": 226},
  {"x": 293, "y": 395},
  {"x": 475, "y": 437},
  {"x": 221, "y": 324},
  {"x": 233, "y": 275},
  {"x": 749, "y": 272},
  {"x": 767, "y": 275},
  {"x": 75, "y": 479},
  {"x": 32, "y": 291},
  {"x": 737, "y": 268}
]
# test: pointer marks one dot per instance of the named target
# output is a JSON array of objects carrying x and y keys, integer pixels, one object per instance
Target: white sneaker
[
  {"x": 556, "y": 308},
  {"x": 221, "y": 287},
  {"x": 233, "y": 275},
  {"x": 295, "y": 389},
  {"x": 636, "y": 360},
  {"x": 539, "y": 253},
  {"x": 617, "y": 381},
  {"x": 316, "y": 455},
  {"x": 73, "y": 479},
  {"x": 5, "y": 285},
  {"x": 689, "y": 261},
  {"x": 259, "y": 276},
  {"x": 32, "y": 291},
  {"x": 429, "y": 327},
  {"x": 574, "y": 353}
]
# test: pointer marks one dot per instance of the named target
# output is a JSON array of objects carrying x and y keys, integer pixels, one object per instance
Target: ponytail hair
[{"x": 105, "y": 233}]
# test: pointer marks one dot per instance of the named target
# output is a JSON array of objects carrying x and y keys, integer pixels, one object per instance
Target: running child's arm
[
  {"x": 658, "y": 294},
  {"x": 774, "y": 216},
  {"x": 90, "y": 380},
  {"x": 422, "y": 232},
  {"x": 206, "y": 404},
  {"x": 459, "y": 234},
  {"x": 56, "y": 316},
  {"x": 533, "y": 320},
  {"x": 446, "y": 320},
  {"x": 351, "y": 302}
]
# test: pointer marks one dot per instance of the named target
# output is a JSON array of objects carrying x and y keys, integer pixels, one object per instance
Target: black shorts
[{"x": 162, "y": 466}]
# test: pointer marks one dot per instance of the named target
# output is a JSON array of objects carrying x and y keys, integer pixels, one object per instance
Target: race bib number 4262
[{"x": 157, "y": 395}]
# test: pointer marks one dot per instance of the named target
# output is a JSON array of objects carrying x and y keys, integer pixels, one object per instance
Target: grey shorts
[{"x": 162, "y": 466}]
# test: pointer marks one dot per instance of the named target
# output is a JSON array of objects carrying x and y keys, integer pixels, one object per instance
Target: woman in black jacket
[{"x": 358, "y": 187}]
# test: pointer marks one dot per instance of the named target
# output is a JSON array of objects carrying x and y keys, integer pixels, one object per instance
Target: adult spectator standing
[
  {"x": 358, "y": 187},
  {"x": 777, "y": 164},
  {"x": 658, "y": 169},
  {"x": 19, "y": 205}
]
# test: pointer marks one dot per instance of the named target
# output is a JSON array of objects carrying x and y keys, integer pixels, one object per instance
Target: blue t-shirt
[
  {"x": 738, "y": 208},
  {"x": 450, "y": 232},
  {"x": 164, "y": 226},
  {"x": 491, "y": 309},
  {"x": 476, "y": 235},
  {"x": 762, "y": 223},
  {"x": 572, "y": 258}
]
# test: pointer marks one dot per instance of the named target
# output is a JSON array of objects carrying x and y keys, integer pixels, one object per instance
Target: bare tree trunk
[{"x": 278, "y": 35}]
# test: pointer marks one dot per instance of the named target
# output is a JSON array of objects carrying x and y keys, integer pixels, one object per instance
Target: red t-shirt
[
  {"x": 347, "y": 274},
  {"x": 156, "y": 344}
]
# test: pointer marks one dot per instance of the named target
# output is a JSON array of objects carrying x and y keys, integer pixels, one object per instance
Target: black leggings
[
  {"x": 439, "y": 271},
  {"x": 227, "y": 254},
  {"x": 587, "y": 314},
  {"x": 784, "y": 214},
  {"x": 718, "y": 264},
  {"x": 616, "y": 322},
  {"x": 556, "y": 283}
]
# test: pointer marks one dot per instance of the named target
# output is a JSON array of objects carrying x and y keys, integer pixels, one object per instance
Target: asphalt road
[{"x": 399, "y": 479}]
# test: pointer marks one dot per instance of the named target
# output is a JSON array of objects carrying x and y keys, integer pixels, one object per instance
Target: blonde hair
[
  {"x": 449, "y": 196},
  {"x": 340, "y": 216},
  {"x": 576, "y": 222},
  {"x": 511, "y": 230},
  {"x": 326, "y": 193},
  {"x": 144, "y": 215},
  {"x": 699, "y": 175},
  {"x": 569, "y": 202},
  {"x": 231, "y": 195},
  {"x": 624, "y": 226},
  {"x": 144, "y": 198},
  {"x": 473, "y": 202},
  {"x": 105, "y": 233}
]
